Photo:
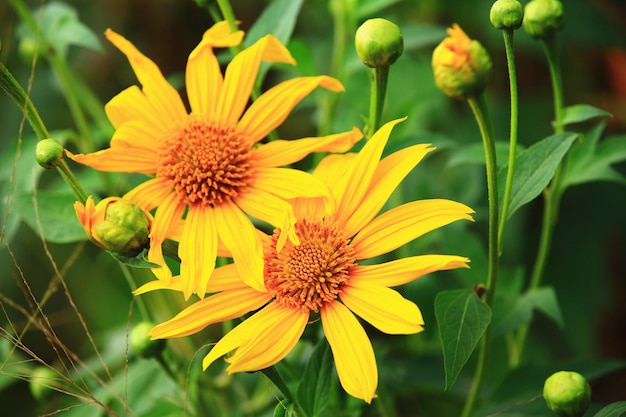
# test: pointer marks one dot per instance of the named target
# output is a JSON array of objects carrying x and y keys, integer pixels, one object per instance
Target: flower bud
[
  {"x": 142, "y": 344},
  {"x": 461, "y": 66},
  {"x": 115, "y": 224},
  {"x": 41, "y": 382},
  {"x": 567, "y": 394},
  {"x": 506, "y": 14},
  {"x": 543, "y": 18},
  {"x": 378, "y": 42},
  {"x": 49, "y": 153}
]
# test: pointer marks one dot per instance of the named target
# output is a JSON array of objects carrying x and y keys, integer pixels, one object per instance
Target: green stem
[
  {"x": 377, "y": 98},
  {"x": 143, "y": 311},
  {"x": 552, "y": 194},
  {"x": 481, "y": 114},
  {"x": 510, "y": 57}
]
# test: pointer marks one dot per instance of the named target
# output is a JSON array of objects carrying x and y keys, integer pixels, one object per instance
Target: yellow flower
[
  {"x": 461, "y": 66},
  {"x": 207, "y": 165},
  {"x": 322, "y": 276}
]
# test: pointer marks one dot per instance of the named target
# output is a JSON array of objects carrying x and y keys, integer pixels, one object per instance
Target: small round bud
[
  {"x": 49, "y": 153},
  {"x": 41, "y": 382},
  {"x": 142, "y": 344},
  {"x": 461, "y": 66},
  {"x": 506, "y": 14},
  {"x": 543, "y": 18},
  {"x": 378, "y": 42},
  {"x": 567, "y": 394},
  {"x": 28, "y": 48},
  {"x": 115, "y": 224}
]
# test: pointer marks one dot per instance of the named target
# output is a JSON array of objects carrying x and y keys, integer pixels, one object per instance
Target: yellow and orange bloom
[
  {"x": 115, "y": 224},
  {"x": 321, "y": 275},
  {"x": 207, "y": 165},
  {"x": 461, "y": 66}
]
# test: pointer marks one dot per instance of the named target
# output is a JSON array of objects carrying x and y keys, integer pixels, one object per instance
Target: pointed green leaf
[
  {"x": 139, "y": 261},
  {"x": 54, "y": 211},
  {"x": 617, "y": 409},
  {"x": 581, "y": 113},
  {"x": 535, "y": 167},
  {"x": 315, "y": 385},
  {"x": 462, "y": 318}
]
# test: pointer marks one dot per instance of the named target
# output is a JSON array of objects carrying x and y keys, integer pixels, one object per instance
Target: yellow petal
[
  {"x": 198, "y": 250},
  {"x": 271, "y": 342},
  {"x": 284, "y": 152},
  {"x": 383, "y": 308},
  {"x": 405, "y": 223},
  {"x": 150, "y": 193},
  {"x": 273, "y": 106},
  {"x": 240, "y": 237},
  {"x": 221, "y": 35},
  {"x": 131, "y": 104},
  {"x": 169, "y": 210},
  {"x": 125, "y": 158},
  {"x": 403, "y": 270},
  {"x": 271, "y": 209},
  {"x": 174, "y": 284},
  {"x": 163, "y": 97},
  {"x": 241, "y": 74},
  {"x": 352, "y": 350},
  {"x": 333, "y": 171},
  {"x": 362, "y": 170},
  {"x": 389, "y": 173},
  {"x": 214, "y": 309}
]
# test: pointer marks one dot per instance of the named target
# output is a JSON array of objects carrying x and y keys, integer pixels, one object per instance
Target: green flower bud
[
  {"x": 506, "y": 14},
  {"x": 567, "y": 394},
  {"x": 461, "y": 66},
  {"x": 28, "y": 48},
  {"x": 142, "y": 344},
  {"x": 41, "y": 382},
  {"x": 543, "y": 18},
  {"x": 378, "y": 42},
  {"x": 116, "y": 225},
  {"x": 49, "y": 153}
]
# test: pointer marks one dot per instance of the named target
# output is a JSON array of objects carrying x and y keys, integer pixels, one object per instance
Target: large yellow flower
[
  {"x": 321, "y": 275},
  {"x": 207, "y": 165}
]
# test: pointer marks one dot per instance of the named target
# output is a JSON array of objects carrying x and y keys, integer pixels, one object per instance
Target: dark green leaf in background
[
  {"x": 616, "y": 409},
  {"x": 315, "y": 384},
  {"x": 462, "y": 318},
  {"x": 581, "y": 113},
  {"x": 535, "y": 167},
  {"x": 543, "y": 299}
]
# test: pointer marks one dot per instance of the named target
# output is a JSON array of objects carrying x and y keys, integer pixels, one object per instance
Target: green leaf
[
  {"x": 314, "y": 387},
  {"x": 589, "y": 161},
  {"x": 279, "y": 19},
  {"x": 475, "y": 154},
  {"x": 138, "y": 261},
  {"x": 581, "y": 113},
  {"x": 543, "y": 299},
  {"x": 462, "y": 318},
  {"x": 54, "y": 211},
  {"x": 616, "y": 409},
  {"x": 534, "y": 169}
]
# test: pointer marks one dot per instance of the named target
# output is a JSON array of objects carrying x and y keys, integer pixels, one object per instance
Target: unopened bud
[
  {"x": 461, "y": 66},
  {"x": 378, "y": 42},
  {"x": 42, "y": 382},
  {"x": 506, "y": 14},
  {"x": 567, "y": 394},
  {"x": 115, "y": 224},
  {"x": 543, "y": 18},
  {"x": 142, "y": 344},
  {"x": 49, "y": 153}
]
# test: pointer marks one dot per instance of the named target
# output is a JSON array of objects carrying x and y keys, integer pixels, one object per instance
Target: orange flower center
[
  {"x": 312, "y": 273},
  {"x": 204, "y": 162}
]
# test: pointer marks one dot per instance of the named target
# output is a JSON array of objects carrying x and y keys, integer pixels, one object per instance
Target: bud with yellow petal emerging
[
  {"x": 461, "y": 66},
  {"x": 116, "y": 225}
]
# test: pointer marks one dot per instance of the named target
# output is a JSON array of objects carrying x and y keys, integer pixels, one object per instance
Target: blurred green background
[{"x": 587, "y": 266}]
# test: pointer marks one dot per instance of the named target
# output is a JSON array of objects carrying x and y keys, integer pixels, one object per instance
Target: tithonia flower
[
  {"x": 461, "y": 66},
  {"x": 322, "y": 275},
  {"x": 208, "y": 165}
]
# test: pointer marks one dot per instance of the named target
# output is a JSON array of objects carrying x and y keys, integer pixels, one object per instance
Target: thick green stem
[
  {"x": 552, "y": 195},
  {"x": 481, "y": 114},
  {"x": 377, "y": 98},
  {"x": 510, "y": 57}
]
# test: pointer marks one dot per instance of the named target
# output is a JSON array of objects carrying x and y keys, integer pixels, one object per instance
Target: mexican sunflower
[
  {"x": 207, "y": 166},
  {"x": 321, "y": 276}
]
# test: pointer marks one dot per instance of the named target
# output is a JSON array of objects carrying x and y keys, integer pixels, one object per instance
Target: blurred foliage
[{"x": 586, "y": 268}]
